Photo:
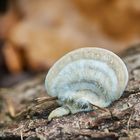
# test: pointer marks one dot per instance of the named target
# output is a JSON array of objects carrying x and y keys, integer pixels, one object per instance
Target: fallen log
[{"x": 24, "y": 119}]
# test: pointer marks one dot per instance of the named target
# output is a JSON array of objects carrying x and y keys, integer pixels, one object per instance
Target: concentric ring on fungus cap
[{"x": 93, "y": 75}]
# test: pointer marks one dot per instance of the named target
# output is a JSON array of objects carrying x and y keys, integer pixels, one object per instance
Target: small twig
[
  {"x": 11, "y": 108},
  {"x": 103, "y": 109},
  {"x": 44, "y": 99},
  {"x": 37, "y": 102},
  {"x": 18, "y": 129},
  {"x": 21, "y": 135},
  {"x": 128, "y": 123},
  {"x": 100, "y": 108}
]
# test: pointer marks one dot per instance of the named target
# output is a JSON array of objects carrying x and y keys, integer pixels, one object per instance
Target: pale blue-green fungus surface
[{"x": 84, "y": 77}]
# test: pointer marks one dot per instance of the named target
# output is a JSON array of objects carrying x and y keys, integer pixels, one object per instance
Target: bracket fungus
[{"x": 86, "y": 77}]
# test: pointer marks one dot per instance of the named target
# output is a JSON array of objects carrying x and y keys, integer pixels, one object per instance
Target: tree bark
[{"x": 21, "y": 118}]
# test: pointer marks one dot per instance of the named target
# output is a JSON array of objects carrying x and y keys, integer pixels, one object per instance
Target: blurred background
[{"x": 35, "y": 33}]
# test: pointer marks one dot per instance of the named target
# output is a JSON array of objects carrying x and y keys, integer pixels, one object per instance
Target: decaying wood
[{"x": 121, "y": 120}]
